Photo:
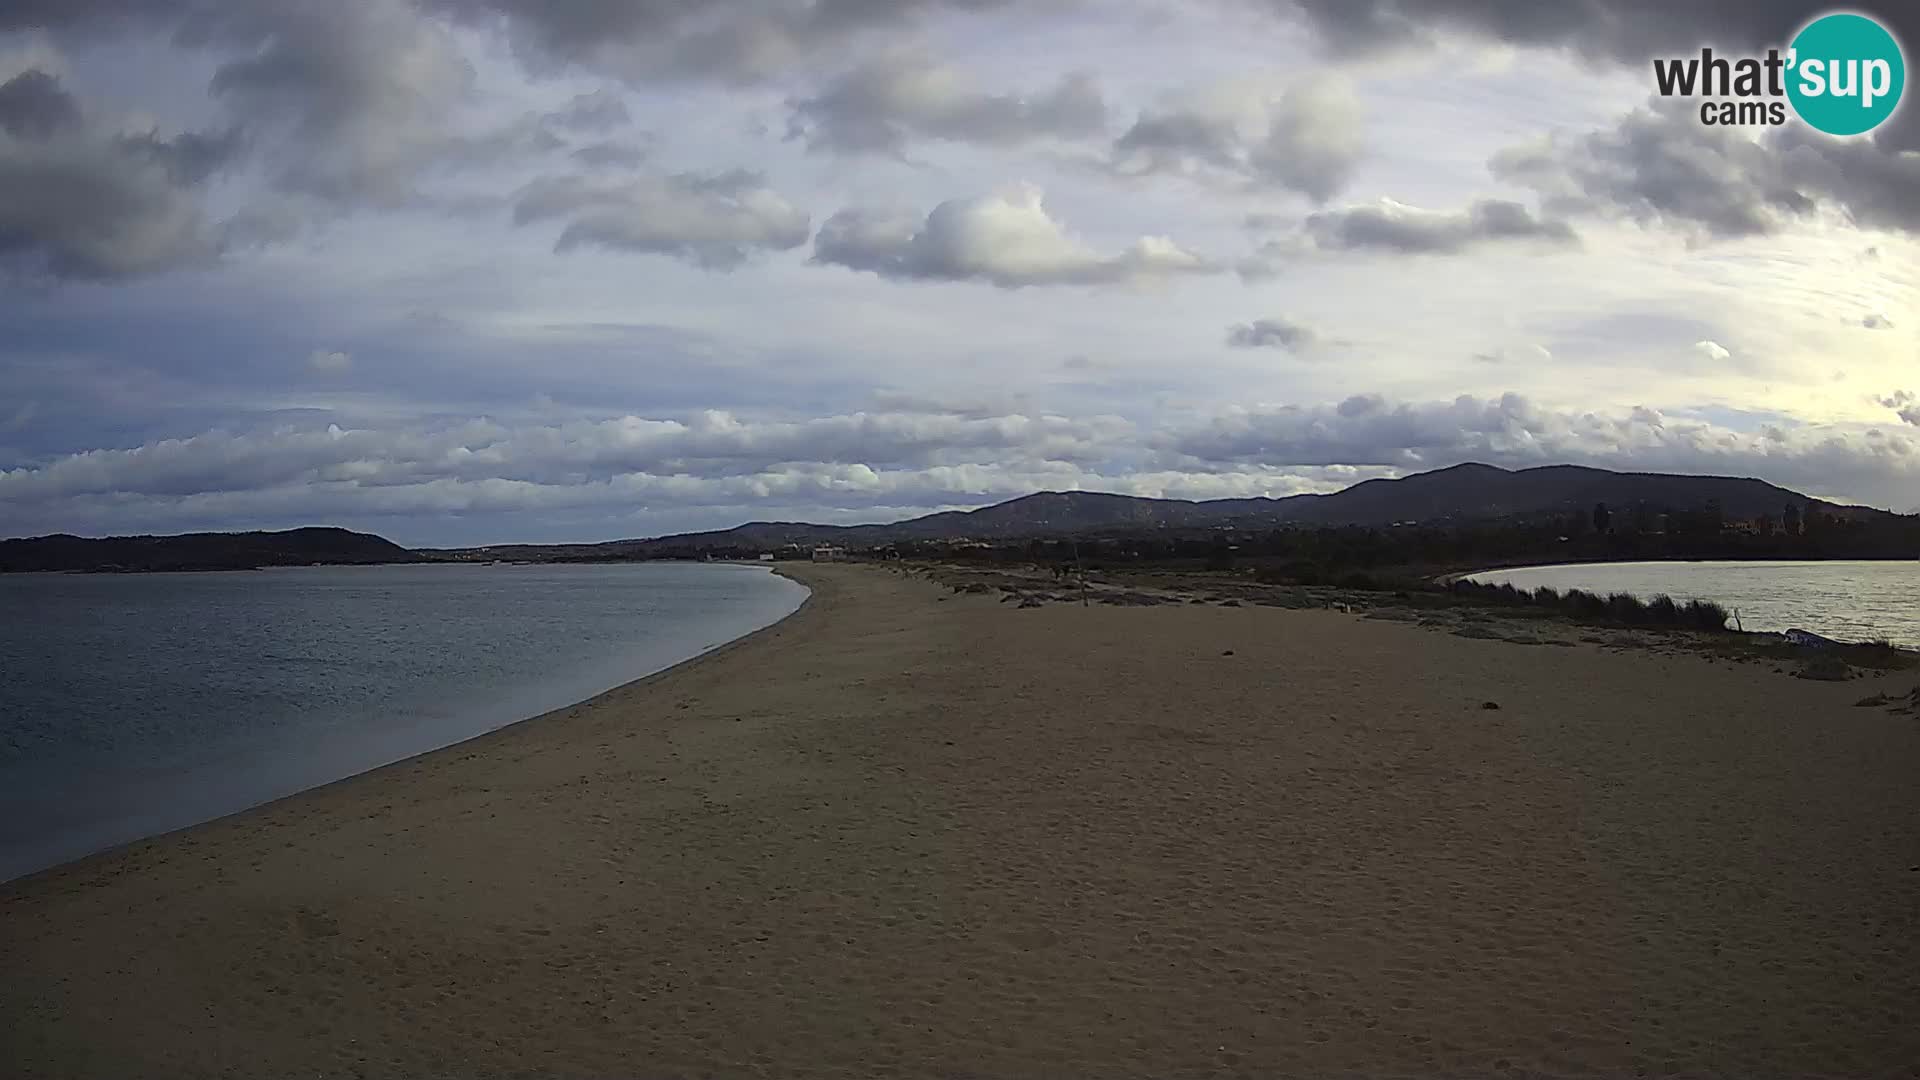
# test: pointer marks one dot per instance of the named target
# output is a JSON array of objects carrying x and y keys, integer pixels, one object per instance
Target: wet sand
[{"x": 907, "y": 832}]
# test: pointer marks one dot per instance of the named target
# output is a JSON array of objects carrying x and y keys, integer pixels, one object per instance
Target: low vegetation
[
  {"x": 1463, "y": 607},
  {"x": 1621, "y": 608}
]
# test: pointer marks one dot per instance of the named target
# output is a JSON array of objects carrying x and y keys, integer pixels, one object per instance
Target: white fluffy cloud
[
  {"x": 1006, "y": 239},
  {"x": 714, "y": 221},
  {"x": 705, "y": 445},
  {"x": 862, "y": 462}
]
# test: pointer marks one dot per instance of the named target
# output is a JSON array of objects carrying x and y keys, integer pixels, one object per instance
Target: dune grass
[{"x": 1619, "y": 608}]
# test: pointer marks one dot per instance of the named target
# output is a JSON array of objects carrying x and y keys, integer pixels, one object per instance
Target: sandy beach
[{"x": 912, "y": 832}]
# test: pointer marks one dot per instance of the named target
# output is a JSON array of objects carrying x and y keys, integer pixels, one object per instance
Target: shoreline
[
  {"x": 1455, "y": 575},
  {"x": 557, "y": 710},
  {"x": 1904, "y": 644},
  {"x": 910, "y": 831}
]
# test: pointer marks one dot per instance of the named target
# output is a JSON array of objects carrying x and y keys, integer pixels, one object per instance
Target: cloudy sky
[{"x": 464, "y": 271}]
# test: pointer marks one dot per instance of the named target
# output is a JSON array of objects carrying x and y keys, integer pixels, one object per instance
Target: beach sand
[{"x": 907, "y": 832}]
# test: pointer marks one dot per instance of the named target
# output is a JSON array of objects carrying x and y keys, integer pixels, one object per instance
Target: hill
[
  {"x": 1456, "y": 495},
  {"x": 1475, "y": 492},
  {"x": 200, "y": 551}
]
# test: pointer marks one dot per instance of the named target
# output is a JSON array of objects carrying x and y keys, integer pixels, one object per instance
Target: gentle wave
[{"x": 136, "y": 704}]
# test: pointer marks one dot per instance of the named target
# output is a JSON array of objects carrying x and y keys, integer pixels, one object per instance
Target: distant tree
[
  {"x": 1790, "y": 520},
  {"x": 1644, "y": 520},
  {"x": 1600, "y": 517}
]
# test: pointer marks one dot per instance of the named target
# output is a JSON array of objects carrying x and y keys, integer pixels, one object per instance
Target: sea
[
  {"x": 1844, "y": 600},
  {"x": 135, "y": 704}
]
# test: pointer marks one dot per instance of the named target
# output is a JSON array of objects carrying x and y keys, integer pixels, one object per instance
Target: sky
[{"x": 485, "y": 271}]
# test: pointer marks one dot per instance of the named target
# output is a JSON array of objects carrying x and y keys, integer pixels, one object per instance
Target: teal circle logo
[{"x": 1845, "y": 74}]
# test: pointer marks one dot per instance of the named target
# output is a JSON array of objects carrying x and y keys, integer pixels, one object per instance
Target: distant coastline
[
  {"x": 1470, "y": 514},
  {"x": 200, "y": 552}
]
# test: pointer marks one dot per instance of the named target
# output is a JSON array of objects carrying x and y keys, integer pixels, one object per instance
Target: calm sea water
[
  {"x": 135, "y": 704},
  {"x": 1851, "y": 601}
]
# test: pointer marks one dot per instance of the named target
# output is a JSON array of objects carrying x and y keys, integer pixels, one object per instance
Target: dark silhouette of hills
[
  {"x": 1456, "y": 495},
  {"x": 1461, "y": 493},
  {"x": 200, "y": 551},
  {"x": 1475, "y": 492}
]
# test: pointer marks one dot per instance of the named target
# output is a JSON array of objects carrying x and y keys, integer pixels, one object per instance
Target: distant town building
[
  {"x": 828, "y": 553},
  {"x": 766, "y": 556}
]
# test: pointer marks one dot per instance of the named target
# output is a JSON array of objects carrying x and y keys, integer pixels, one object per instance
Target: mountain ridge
[
  {"x": 1471, "y": 491},
  {"x": 1456, "y": 493}
]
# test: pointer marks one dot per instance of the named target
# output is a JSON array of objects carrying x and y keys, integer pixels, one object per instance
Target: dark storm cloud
[
  {"x": 33, "y": 105},
  {"x": 1660, "y": 164},
  {"x": 1629, "y": 32},
  {"x": 648, "y": 40},
  {"x": 883, "y": 104},
  {"x": 1392, "y": 226},
  {"x": 80, "y": 201},
  {"x": 65, "y": 14},
  {"x": 1905, "y": 404},
  {"x": 1625, "y": 30},
  {"x": 1308, "y": 139},
  {"x": 350, "y": 101}
]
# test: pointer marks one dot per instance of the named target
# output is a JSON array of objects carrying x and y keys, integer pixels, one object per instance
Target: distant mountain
[
  {"x": 1470, "y": 492},
  {"x": 200, "y": 551},
  {"x": 1484, "y": 492}
]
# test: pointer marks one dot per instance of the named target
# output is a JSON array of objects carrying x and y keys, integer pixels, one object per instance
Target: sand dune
[{"x": 913, "y": 833}]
